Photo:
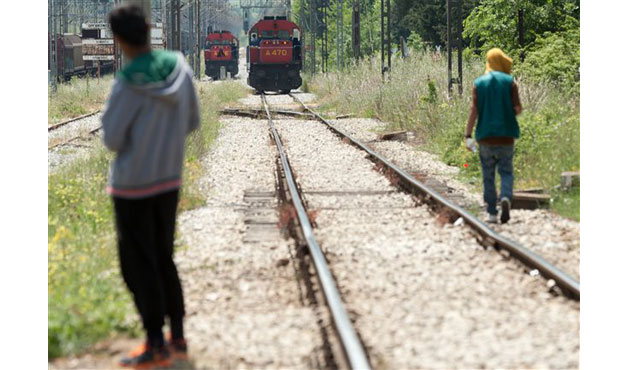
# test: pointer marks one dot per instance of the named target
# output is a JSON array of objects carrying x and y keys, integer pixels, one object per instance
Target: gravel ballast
[
  {"x": 64, "y": 154},
  {"x": 422, "y": 294},
  {"x": 242, "y": 298},
  {"x": 547, "y": 234}
]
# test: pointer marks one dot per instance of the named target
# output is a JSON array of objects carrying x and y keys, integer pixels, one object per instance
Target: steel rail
[
  {"x": 60, "y": 124},
  {"x": 68, "y": 141},
  {"x": 354, "y": 351},
  {"x": 568, "y": 285}
]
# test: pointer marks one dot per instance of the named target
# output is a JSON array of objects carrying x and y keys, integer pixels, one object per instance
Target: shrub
[{"x": 554, "y": 58}]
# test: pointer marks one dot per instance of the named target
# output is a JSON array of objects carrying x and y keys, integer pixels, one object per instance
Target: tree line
[{"x": 550, "y": 29}]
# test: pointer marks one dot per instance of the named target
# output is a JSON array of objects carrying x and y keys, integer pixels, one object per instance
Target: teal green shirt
[{"x": 496, "y": 115}]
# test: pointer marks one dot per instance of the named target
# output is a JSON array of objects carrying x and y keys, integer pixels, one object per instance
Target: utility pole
[
  {"x": 389, "y": 36},
  {"x": 178, "y": 24},
  {"x": 386, "y": 39},
  {"x": 355, "y": 23},
  {"x": 304, "y": 26},
  {"x": 313, "y": 24},
  {"x": 459, "y": 79},
  {"x": 288, "y": 9},
  {"x": 192, "y": 49},
  {"x": 51, "y": 26},
  {"x": 521, "y": 35},
  {"x": 164, "y": 22},
  {"x": 382, "y": 42},
  {"x": 197, "y": 43},
  {"x": 173, "y": 25},
  {"x": 459, "y": 24},
  {"x": 324, "y": 53},
  {"x": 339, "y": 35}
]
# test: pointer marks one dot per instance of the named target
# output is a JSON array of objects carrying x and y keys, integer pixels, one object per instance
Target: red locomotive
[
  {"x": 274, "y": 55},
  {"x": 222, "y": 50}
]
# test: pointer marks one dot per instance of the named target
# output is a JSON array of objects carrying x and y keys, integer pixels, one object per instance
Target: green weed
[{"x": 77, "y": 97}]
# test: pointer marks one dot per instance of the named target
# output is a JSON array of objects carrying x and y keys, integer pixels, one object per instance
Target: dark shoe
[
  {"x": 147, "y": 357},
  {"x": 178, "y": 347},
  {"x": 505, "y": 203}
]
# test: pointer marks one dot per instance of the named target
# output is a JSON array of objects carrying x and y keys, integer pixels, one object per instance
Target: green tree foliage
[
  {"x": 551, "y": 44},
  {"x": 554, "y": 58},
  {"x": 427, "y": 18},
  {"x": 493, "y": 23}
]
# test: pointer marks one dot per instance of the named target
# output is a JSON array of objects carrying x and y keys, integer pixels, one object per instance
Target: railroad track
[
  {"x": 60, "y": 124},
  {"x": 568, "y": 285},
  {"x": 74, "y": 138},
  {"x": 352, "y": 348}
]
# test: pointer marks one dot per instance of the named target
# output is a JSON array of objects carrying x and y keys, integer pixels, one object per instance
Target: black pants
[{"x": 145, "y": 230}]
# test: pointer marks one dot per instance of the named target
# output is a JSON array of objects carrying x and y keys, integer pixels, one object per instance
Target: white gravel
[
  {"x": 422, "y": 295},
  {"x": 64, "y": 154},
  {"x": 547, "y": 234},
  {"x": 243, "y": 308},
  {"x": 277, "y": 101}
]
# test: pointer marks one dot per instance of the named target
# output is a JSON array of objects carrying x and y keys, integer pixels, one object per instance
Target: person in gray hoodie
[{"x": 149, "y": 113}]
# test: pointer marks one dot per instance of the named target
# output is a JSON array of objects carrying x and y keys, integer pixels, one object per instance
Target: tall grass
[
  {"x": 415, "y": 97},
  {"x": 87, "y": 300},
  {"x": 77, "y": 97}
]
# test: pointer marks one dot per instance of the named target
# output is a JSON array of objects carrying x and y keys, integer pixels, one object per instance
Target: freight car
[
  {"x": 274, "y": 55},
  {"x": 222, "y": 51},
  {"x": 70, "y": 59}
]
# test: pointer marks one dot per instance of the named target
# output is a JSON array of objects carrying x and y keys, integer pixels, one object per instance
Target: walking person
[
  {"x": 495, "y": 105},
  {"x": 149, "y": 113}
]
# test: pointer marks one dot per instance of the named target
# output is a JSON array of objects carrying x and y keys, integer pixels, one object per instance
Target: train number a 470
[{"x": 282, "y": 52}]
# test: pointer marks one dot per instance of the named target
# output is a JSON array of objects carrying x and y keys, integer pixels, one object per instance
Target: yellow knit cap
[{"x": 498, "y": 61}]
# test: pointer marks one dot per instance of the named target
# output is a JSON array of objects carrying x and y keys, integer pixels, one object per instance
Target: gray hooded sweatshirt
[{"x": 150, "y": 111}]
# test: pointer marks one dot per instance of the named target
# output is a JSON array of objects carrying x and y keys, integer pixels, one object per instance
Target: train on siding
[
  {"x": 221, "y": 52},
  {"x": 274, "y": 55},
  {"x": 70, "y": 59}
]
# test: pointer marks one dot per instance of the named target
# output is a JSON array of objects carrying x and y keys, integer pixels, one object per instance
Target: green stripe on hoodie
[{"x": 152, "y": 67}]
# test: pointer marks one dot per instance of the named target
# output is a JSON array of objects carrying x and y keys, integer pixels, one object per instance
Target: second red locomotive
[
  {"x": 274, "y": 55},
  {"x": 222, "y": 51}
]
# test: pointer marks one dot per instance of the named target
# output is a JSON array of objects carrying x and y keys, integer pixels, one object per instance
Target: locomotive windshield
[{"x": 283, "y": 34}]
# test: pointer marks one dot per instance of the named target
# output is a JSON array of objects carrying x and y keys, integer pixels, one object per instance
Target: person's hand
[{"x": 470, "y": 144}]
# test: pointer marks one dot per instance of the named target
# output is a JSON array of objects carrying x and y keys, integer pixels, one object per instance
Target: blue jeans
[{"x": 500, "y": 157}]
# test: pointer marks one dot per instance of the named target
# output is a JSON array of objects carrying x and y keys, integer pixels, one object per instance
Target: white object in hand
[{"x": 471, "y": 144}]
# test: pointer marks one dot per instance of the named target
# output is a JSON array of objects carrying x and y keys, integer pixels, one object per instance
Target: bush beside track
[{"x": 87, "y": 300}]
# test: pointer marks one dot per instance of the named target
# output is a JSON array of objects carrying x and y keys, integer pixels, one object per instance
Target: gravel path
[
  {"x": 551, "y": 236},
  {"x": 242, "y": 297},
  {"x": 423, "y": 295}
]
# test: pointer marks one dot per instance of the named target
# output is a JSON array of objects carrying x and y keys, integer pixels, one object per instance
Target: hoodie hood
[{"x": 156, "y": 73}]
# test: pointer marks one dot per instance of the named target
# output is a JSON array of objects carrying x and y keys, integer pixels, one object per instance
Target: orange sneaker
[{"x": 147, "y": 357}]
